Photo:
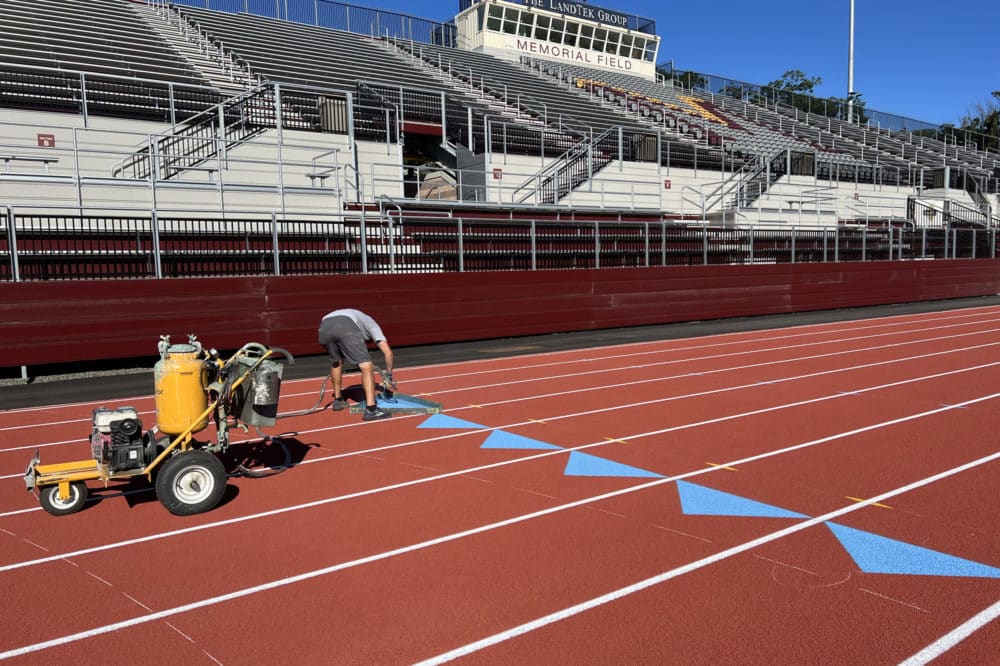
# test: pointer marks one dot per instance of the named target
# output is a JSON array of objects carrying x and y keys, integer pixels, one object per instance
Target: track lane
[{"x": 276, "y": 480}]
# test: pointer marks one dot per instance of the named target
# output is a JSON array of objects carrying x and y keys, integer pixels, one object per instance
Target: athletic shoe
[
  {"x": 338, "y": 404},
  {"x": 375, "y": 414}
]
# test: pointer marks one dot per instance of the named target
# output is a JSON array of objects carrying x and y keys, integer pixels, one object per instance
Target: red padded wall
[{"x": 55, "y": 322}]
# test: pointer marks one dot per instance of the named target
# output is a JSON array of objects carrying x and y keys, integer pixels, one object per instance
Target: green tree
[
  {"x": 796, "y": 88},
  {"x": 796, "y": 81},
  {"x": 984, "y": 118}
]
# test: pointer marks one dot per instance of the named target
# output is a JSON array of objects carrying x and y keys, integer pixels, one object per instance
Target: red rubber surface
[{"x": 391, "y": 543}]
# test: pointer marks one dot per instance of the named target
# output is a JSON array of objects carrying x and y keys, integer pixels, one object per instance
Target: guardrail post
[
  {"x": 461, "y": 246},
  {"x": 597, "y": 245},
  {"x": 793, "y": 245},
  {"x": 154, "y": 239},
  {"x": 364, "y": 241},
  {"x": 663, "y": 242},
  {"x": 392, "y": 241},
  {"x": 444, "y": 120},
  {"x": 472, "y": 143},
  {"x": 277, "y": 112},
  {"x": 15, "y": 267},
  {"x": 836, "y": 244},
  {"x": 704, "y": 243},
  {"x": 534, "y": 247},
  {"x": 864, "y": 245},
  {"x": 645, "y": 243},
  {"x": 83, "y": 98},
  {"x": 274, "y": 244},
  {"x": 173, "y": 105}
]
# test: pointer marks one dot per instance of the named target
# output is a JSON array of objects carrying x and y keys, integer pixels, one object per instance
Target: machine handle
[
  {"x": 284, "y": 352},
  {"x": 253, "y": 349}
]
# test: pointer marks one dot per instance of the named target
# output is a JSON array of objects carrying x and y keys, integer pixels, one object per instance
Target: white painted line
[
  {"x": 566, "y": 613},
  {"x": 590, "y": 445},
  {"x": 623, "y": 592},
  {"x": 954, "y": 637},
  {"x": 919, "y": 318},
  {"x": 438, "y": 477},
  {"x": 550, "y": 378}
]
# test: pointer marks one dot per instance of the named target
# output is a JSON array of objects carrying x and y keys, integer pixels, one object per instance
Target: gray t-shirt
[{"x": 369, "y": 327}]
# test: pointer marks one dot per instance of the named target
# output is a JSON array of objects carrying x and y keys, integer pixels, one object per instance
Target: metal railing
[
  {"x": 339, "y": 16},
  {"x": 37, "y": 247},
  {"x": 833, "y": 108}
]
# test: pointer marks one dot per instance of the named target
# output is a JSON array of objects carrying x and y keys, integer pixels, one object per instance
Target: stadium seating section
[{"x": 57, "y": 55}]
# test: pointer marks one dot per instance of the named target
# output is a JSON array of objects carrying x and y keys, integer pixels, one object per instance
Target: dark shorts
[{"x": 342, "y": 339}]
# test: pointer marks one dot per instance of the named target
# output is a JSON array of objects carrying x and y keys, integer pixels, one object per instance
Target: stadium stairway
[{"x": 218, "y": 68}]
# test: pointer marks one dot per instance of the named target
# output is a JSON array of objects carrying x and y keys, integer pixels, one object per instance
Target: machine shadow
[{"x": 266, "y": 457}]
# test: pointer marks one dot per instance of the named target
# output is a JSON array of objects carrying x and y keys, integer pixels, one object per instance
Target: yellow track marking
[{"x": 859, "y": 499}]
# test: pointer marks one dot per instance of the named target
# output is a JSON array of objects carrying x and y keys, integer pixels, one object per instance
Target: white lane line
[
  {"x": 658, "y": 364},
  {"x": 668, "y": 349},
  {"x": 566, "y": 613},
  {"x": 438, "y": 477},
  {"x": 449, "y": 436},
  {"x": 954, "y": 637},
  {"x": 551, "y": 378},
  {"x": 620, "y": 593}
]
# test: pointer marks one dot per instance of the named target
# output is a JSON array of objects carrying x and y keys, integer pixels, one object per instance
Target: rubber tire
[
  {"x": 49, "y": 499},
  {"x": 191, "y": 482}
]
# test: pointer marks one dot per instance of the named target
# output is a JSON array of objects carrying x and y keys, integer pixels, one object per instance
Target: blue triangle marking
[
  {"x": 701, "y": 501},
  {"x": 582, "y": 464},
  {"x": 499, "y": 439},
  {"x": 445, "y": 421},
  {"x": 878, "y": 554}
]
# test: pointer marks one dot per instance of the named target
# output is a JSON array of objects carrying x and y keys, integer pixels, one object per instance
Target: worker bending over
[{"x": 345, "y": 334}]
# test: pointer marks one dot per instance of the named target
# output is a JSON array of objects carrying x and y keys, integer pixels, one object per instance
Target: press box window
[
  {"x": 524, "y": 28},
  {"x": 572, "y": 29},
  {"x": 510, "y": 19},
  {"x": 612, "y": 45},
  {"x": 542, "y": 28},
  {"x": 494, "y": 17}
]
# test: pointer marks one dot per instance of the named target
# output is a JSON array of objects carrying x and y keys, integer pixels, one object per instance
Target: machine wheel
[
  {"x": 191, "y": 482},
  {"x": 49, "y": 498}
]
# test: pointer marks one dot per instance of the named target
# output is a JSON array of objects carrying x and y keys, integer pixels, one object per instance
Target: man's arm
[
  {"x": 388, "y": 381},
  {"x": 387, "y": 352}
]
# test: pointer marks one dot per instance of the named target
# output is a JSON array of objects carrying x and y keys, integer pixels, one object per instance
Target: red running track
[{"x": 754, "y": 460}]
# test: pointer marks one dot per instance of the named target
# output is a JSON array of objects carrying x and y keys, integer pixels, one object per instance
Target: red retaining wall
[{"x": 56, "y": 322}]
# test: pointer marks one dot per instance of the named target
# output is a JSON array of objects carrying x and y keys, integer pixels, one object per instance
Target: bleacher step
[{"x": 229, "y": 83}]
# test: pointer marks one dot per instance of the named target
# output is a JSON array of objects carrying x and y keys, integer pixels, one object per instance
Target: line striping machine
[{"x": 194, "y": 386}]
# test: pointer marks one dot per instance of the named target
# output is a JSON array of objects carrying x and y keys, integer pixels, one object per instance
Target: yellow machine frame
[{"x": 64, "y": 474}]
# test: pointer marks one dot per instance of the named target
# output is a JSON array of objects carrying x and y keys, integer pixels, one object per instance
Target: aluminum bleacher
[
  {"x": 292, "y": 52},
  {"x": 50, "y": 50},
  {"x": 577, "y": 120}
]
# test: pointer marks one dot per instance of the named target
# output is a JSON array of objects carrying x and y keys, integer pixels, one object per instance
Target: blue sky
[{"x": 913, "y": 58}]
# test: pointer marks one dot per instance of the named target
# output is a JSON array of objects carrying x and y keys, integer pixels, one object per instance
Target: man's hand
[{"x": 388, "y": 381}]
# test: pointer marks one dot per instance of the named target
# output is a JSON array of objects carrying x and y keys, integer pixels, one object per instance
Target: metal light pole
[{"x": 850, "y": 69}]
